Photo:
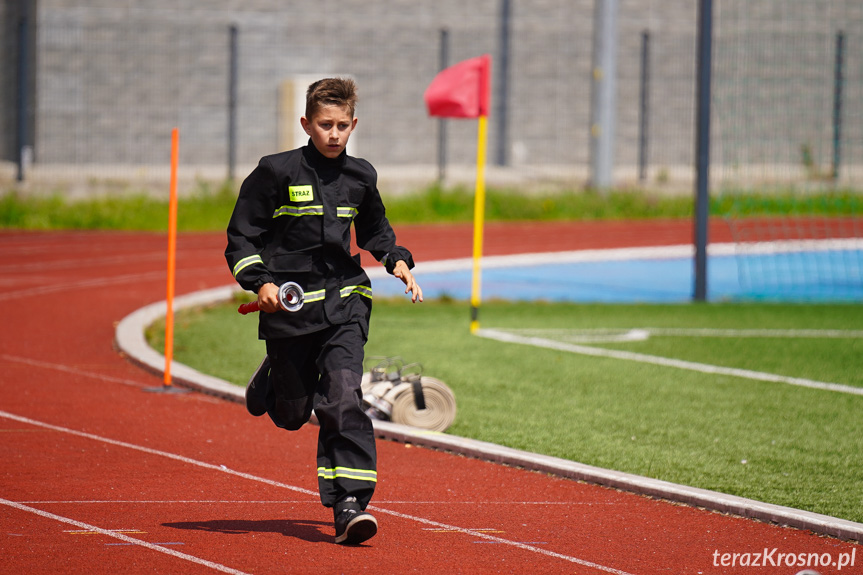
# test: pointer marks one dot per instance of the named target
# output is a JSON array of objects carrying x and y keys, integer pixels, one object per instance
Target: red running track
[{"x": 99, "y": 476}]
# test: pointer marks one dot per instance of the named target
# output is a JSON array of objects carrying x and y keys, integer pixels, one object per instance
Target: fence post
[
  {"x": 441, "y": 142},
  {"x": 502, "y": 99},
  {"x": 702, "y": 146},
  {"x": 644, "y": 106},
  {"x": 603, "y": 93},
  {"x": 232, "y": 102},
  {"x": 23, "y": 84},
  {"x": 837, "y": 102}
]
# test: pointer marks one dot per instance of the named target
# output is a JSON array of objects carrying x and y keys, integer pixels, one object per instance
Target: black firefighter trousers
[{"x": 323, "y": 371}]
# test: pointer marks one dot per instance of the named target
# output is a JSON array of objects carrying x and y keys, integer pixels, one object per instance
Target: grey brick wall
[
  {"x": 115, "y": 77},
  {"x": 11, "y": 12}
]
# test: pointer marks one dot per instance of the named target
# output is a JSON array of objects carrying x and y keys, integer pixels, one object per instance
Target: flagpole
[
  {"x": 463, "y": 91},
  {"x": 478, "y": 220}
]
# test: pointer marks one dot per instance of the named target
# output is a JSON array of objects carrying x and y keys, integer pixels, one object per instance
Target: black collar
[{"x": 318, "y": 160}]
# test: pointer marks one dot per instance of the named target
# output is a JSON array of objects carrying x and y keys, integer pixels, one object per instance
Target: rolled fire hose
[
  {"x": 439, "y": 412},
  {"x": 413, "y": 399}
]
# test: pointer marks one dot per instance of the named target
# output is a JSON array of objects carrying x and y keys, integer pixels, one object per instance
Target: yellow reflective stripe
[
  {"x": 246, "y": 262},
  {"x": 346, "y": 212},
  {"x": 320, "y": 295},
  {"x": 364, "y": 291},
  {"x": 348, "y": 473},
  {"x": 317, "y": 295},
  {"x": 299, "y": 211}
]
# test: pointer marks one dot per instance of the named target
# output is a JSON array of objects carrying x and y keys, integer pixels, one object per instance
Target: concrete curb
[{"x": 129, "y": 339}]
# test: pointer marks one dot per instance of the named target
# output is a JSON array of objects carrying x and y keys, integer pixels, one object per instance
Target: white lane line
[
  {"x": 83, "y": 284},
  {"x": 493, "y": 539},
  {"x": 157, "y": 452},
  {"x": 300, "y": 502},
  {"x": 250, "y": 477},
  {"x": 122, "y": 537},
  {"x": 166, "y": 502},
  {"x": 72, "y": 370},
  {"x": 503, "y": 336},
  {"x": 41, "y": 265},
  {"x": 99, "y": 282}
]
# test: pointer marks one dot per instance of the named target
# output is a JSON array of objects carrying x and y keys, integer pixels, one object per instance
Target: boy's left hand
[{"x": 402, "y": 272}]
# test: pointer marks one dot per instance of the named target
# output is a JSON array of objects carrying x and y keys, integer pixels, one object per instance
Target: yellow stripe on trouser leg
[{"x": 348, "y": 473}]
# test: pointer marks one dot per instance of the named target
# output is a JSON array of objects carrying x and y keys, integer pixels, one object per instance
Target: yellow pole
[
  {"x": 478, "y": 219},
  {"x": 172, "y": 254}
]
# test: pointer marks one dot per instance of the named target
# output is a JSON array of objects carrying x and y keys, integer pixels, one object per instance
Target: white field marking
[
  {"x": 122, "y": 537},
  {"x": 604, "y": 335},
  {"x": 250, "y": 477},
  {"x": 790, "y": 333},
  {"x": 504, "y": 336},
  {"x": 72, "y": 370},
  {"x": 587, "y": 335}
]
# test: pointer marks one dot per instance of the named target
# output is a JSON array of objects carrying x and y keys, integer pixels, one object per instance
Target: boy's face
[{"x": 330, "y": 127}]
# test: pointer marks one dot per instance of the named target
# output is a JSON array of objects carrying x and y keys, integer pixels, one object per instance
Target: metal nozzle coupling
[{"x": 291, "y": 296}]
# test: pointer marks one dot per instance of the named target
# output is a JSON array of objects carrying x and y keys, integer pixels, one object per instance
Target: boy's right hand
[{"x": 268, "y": 298}]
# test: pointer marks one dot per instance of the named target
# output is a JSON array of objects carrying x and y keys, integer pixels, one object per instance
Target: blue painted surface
[{"x": 790, "y": 277}]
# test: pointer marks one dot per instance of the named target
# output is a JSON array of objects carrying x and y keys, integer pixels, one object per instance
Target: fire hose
[{"x": 400, "y": 393}]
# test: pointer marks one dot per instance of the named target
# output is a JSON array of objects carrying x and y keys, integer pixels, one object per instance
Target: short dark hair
[{"x": 340, "y": 92}]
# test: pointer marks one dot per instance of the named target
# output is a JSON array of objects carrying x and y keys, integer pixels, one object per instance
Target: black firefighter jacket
[{"x": 292, "y": 222}]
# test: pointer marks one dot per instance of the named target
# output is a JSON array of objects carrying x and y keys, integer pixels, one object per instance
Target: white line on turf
[
  {"x": 507, "y": 337},
  {"x": 223, "y": 469},
  {"x": 122, "y": 537},
  {"x": 642, "y": 333},
  {"x": 765, "y": 333}
]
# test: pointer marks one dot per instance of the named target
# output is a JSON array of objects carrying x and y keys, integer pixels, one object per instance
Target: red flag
[{"x": 461, "y": 91}]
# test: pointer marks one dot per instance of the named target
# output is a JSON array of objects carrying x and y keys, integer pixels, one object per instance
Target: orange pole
[{"x": 172, "y": 255}]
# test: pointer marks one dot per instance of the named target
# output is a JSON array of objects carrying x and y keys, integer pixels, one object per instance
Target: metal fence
[{"x": 110, "y": 81}]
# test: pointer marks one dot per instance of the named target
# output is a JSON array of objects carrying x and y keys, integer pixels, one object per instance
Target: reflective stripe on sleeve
[
  {"x": 346, "y": 212},
  {"x": 246, "y": 262},
  {"x": 364, "y": 291}
]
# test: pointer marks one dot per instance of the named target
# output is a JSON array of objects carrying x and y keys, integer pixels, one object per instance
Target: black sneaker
[
  {"x": 256, "y": 390},
  {"x": 354, "y": 526}
]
